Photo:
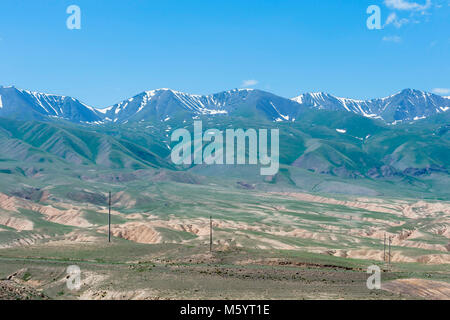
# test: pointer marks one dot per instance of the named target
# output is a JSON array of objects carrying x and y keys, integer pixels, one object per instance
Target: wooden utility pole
[
  {"x": 210, "y": 234},
  {"x": 384, "y": 249},
  {"x": 389, "y": 250},
  {"x": 109, "y": 218}
]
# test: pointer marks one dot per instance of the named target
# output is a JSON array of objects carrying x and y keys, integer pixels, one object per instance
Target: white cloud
[
  {"x": 249, "y": 83},
  {"x": 396, "y": 39},
  {"x": 441, "y": 91},
  {"x": 394, "y": 20},
  {"x": 406, "y": 5}
]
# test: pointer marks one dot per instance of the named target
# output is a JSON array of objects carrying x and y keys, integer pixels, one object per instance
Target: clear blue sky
[{"x": 287, "y": 47}]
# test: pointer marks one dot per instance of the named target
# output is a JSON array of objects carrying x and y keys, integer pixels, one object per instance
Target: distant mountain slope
[
  {"x": 27, "y": 105},
  {"x": 44, "y": 142},
  {"x": 407, "y": 105},
  {"x": 331, "y": 143},
  {"x": 163, "y": 104}
]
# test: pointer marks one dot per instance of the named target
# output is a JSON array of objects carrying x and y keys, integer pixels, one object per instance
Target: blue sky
[{"x": 285, "y": 47}]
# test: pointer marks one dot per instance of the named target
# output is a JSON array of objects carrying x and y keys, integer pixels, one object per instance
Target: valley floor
[
  {"x": 268, "y": 242},
  {"x": 132, "y": 271}
]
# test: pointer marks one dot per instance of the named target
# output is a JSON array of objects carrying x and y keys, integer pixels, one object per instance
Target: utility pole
[
  {"x": 210, "y": 234},
  {"x": 384, "y": 249},
  {"x": 389, "y": 250},
  {"x": 109, "y": 218}
]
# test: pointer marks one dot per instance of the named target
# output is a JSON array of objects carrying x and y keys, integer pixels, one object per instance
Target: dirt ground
[
  {"x": 426, "y": 289},
  {"x": 198, "y": 275}
]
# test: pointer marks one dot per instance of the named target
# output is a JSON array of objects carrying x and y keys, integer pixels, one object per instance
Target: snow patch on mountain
[{"x": 104, "y": 110}]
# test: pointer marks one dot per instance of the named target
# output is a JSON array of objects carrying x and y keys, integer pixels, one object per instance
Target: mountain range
[
  {"x": 165, "y": 104},
  {"x": 325, "y": 141}
]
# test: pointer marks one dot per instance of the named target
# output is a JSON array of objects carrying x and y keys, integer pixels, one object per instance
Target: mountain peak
[
  {"x": 415, "y": 92},
  {"x": 39, "y": 106}
]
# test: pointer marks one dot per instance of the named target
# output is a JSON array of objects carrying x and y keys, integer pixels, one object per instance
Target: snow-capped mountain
[
  {"x": 163, "y": 104},
  {"x": 28, "y": 105},
  {"x": 407, "y": 105}
]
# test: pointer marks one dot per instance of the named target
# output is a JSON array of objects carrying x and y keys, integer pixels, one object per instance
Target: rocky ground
[{"x": 11, "y": 290}]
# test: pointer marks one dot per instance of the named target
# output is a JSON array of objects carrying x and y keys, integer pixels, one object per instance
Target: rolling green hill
[{"x": 322, "y": 145}]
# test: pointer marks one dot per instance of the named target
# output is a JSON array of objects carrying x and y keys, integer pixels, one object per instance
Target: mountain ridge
[
  {"x": 21, "y": 104},
  {"x": 406, "y": 105},
  {"x": 164, "y": 104}
]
